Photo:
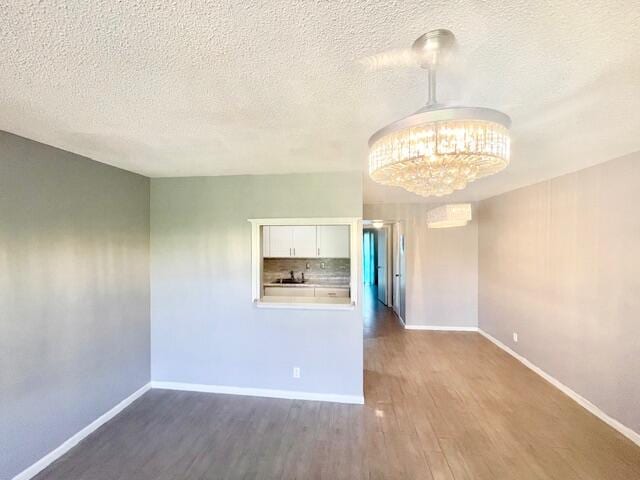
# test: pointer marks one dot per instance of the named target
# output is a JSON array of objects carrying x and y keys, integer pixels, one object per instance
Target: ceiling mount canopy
[{"x": 439, "y": 148}]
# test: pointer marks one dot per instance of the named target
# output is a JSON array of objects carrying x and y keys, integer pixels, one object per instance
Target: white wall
[
  {"x": 560, "y": 265},
  {"x": 441, "y": 267},
  {"x": 205, "y": 329}
]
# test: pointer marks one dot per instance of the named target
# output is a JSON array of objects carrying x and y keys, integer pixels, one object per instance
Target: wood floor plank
[
  {"x": 438, "y": 465},
  {"x": 439, "y": 405}
]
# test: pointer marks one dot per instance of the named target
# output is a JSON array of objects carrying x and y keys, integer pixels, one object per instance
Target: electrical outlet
[
  {"x": 296, "y": 372},
  {"x": 515, "y": 337}
]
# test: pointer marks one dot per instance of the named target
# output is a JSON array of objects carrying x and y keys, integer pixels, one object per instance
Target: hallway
[
  {"x": 453, "y": 405},
  {"x": 439, "y": 405},
  {"x": 379, "y": 320}
]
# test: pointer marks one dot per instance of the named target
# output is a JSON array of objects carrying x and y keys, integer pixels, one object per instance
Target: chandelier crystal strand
[{"x": 439, "y": 149}]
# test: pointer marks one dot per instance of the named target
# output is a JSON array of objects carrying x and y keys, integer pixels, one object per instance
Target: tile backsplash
[{"x": 336, "y": 271}]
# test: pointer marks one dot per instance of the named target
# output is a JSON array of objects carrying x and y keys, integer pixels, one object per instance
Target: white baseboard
[
  {"x": 68, "y": 444},
  {"x": 441, "y": 328},
  {"x": 52, "y": 456},
  {"x": 624, "y": 430},
  {"x": 259, "y": 392}
]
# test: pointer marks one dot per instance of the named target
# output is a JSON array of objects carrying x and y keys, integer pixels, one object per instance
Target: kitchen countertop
[{"x": 308, "y": 285}]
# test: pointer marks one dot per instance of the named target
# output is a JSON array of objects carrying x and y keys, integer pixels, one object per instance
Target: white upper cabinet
[
  {"x": 280, "y": 241},
  {"x": 304, "y": 241},
  {"x": 333, "y": 241},
  {"x": 289, "y": 241},
  {"x": 265, "y": 240}
]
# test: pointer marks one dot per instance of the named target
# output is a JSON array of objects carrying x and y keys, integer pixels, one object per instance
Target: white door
[
  {"x": 382, "y": 265},
  {"x": 395, "y": 301},
  {"x": 280, "y": 241},
  {"x": 402, "y": 267},
  {"x": 398, "y": 271},
  {"x": 333, "y": 241},
  {"x": 304, "y": 241}
]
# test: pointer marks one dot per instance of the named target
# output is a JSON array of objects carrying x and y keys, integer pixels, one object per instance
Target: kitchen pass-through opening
[{"x": 305, "y": 263}]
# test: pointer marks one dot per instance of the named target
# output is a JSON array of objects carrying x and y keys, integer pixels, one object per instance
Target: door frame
[
  {"x": 399, "y": 271},
  {"x": 389, "y": 262}
]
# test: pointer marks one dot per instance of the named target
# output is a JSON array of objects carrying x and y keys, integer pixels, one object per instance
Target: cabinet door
[
  {"x": 288, "y": 292},
  {"x": 332, "y": 292},
  {"x": 304, "y": 241},
  {"x": 265, "y": 241},
  {"x": 333, "y": 241},
  {"x": 280, "y": 241}
]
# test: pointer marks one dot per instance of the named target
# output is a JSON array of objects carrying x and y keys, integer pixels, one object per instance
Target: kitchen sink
[{"x": 290, "y": 281}]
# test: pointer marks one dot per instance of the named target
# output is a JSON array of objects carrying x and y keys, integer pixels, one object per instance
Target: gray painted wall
[
  {"x": 205, "y": 329},
  {"x": 560, "y": 265},
  {"x": 441, "y": 267},
  {"x": 74, "y": 295}
]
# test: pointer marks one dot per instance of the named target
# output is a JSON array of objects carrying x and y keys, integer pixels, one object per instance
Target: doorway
[
  {"x": 399, "y": 277},
  {"x": 383, "y": 263},
  {"x": 374, "y": 266},
  {"x": 382, "y": 266},
  {"x": 369, "y": 258}
]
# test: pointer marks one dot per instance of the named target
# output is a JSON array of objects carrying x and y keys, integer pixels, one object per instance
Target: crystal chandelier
[{"x": 439, "y": 148}]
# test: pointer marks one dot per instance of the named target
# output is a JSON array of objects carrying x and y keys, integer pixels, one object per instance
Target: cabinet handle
[
  {"x": 289, "y": 251},
  {"x": 294, "y": 251},
  {"x": 318, "y": 252}
]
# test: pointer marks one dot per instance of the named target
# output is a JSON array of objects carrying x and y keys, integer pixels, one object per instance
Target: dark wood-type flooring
[{"x": 439, "y": 406}]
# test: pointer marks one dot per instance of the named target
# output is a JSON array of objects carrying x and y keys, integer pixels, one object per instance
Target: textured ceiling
[{"x": 282, "y": 86}]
